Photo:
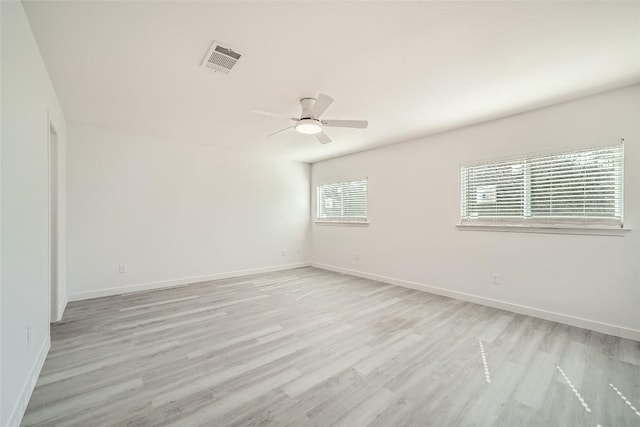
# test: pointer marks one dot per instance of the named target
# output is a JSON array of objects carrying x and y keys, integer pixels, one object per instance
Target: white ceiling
[{"x": 410, "y": 68}]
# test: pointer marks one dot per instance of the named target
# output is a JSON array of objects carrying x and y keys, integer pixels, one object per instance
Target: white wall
[
  {"x": 28, "y": 103},
  {"x": 414, "y": 207},
  {"x": 176, "y": 212}
]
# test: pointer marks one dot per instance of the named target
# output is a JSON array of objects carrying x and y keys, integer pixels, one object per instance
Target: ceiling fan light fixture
[
  {"x": 308, "y": 126},
  {"x": 310, "y": 123}
]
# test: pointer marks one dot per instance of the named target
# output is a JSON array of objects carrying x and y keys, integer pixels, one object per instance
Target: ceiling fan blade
[
  {"x": 321, "y": 104},
  {"x": 280, "y": 131},
  {"x": 270, "y": 114},
  {"x": 323, "y": 138},
  {"x": 359, "y": 124}
]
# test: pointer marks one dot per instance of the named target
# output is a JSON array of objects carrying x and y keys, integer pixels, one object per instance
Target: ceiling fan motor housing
[
  {"x": 306, "y": 104},
  {"x": 308, "y": 124}
]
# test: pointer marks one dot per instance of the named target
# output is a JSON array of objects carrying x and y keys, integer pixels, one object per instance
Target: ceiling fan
[{"x": 310, "y": 123}]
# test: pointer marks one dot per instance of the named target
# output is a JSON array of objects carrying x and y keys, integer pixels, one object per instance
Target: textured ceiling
[{"x": 410, "y": 68}]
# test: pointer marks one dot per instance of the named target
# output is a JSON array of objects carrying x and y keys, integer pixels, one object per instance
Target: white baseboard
[
  {"x": 25, "y": 394},
  {"x": 605, "y": 328},
  {"x": 77, "y": 296}
]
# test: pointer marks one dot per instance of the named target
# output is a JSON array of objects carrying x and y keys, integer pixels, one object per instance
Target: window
[
  {"x": 579, "y": 187},
  {"x": 342, "y": 202}
]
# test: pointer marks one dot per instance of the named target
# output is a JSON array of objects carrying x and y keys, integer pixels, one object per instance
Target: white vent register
[{"x": 220, "y": 58}]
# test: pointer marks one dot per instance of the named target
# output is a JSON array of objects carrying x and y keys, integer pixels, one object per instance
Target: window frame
[
  {"x": 341, "y": 220},
  {"x": 545, "y": 224}
]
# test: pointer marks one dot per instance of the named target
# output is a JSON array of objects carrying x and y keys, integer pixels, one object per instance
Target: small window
[
  {"x": 577, "y": 187},
  {"x": 342, "y": 202}
]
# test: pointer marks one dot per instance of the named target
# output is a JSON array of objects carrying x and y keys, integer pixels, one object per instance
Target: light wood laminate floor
[{"x": 308, "y": 347}]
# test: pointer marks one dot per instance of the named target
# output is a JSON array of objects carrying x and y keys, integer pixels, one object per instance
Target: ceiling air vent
[{"x": 220, "y": 58}]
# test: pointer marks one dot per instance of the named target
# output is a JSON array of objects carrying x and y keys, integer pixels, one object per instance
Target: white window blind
[
  {"x": 342, "y": 201},
  {"x": 577, "y": 187}
]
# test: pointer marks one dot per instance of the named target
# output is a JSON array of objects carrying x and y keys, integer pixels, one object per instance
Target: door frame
[{"x": 53, "y": 214}]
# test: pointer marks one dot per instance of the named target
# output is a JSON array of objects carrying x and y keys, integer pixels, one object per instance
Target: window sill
[
  {"x": 343, "y": 223},
  {"x": 548, "y": 229}
]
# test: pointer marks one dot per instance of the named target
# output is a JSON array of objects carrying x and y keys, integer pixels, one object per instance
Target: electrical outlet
[
  {"x": 357, "y": 256},
  {"x": 298, "y": 252},
  {"x": 284, "y": 252},
  {"x": 495, "y": 279},
  {"x": 122, "y": 268},
  {"x": 28, "y": 335}
]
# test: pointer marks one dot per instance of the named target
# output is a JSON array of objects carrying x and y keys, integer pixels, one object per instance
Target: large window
[
  {"x": 578, "y": 187},
  {"x": 342, "y": 201}
]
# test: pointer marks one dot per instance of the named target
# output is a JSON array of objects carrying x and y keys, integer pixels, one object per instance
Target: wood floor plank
[{"x": 531, "y": 391}]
